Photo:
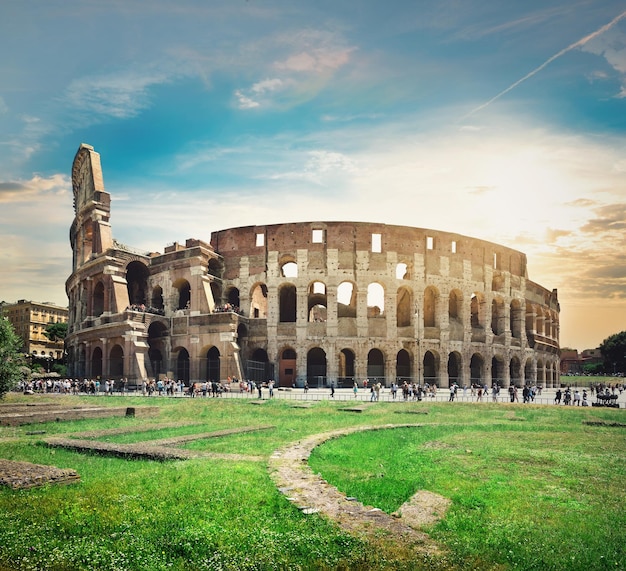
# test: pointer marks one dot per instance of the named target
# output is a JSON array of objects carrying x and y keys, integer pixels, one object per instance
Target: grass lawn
[{"x": 532, "y": 487}]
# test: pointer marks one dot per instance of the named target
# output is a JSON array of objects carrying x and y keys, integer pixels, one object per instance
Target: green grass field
[{"x": 532, "y": 487}]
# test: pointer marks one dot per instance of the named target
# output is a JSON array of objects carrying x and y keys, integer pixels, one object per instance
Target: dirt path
[{"x": 310, "y": 493}]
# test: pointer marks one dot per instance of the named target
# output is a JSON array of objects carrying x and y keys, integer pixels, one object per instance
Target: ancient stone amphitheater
[{"x": 310, "y": 302}]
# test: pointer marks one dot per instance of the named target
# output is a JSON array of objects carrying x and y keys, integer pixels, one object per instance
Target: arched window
[
  {"x": 403, "y": 366},
  {"x": 430, "y": 307},
  {"x": 98, "y": 299},
  {"x": 137, "y": 280},
  {"x": 213, "y": 364},
  {"x": 317, "y": 302},
  {"x": 477, "y": 368},
  {"x": 346, "y": 366},
  {"x": 431, "y": 368},
  {"x": 346, "y": 300},
  {"x": 116, "y": 362},
  {"x": 375, "y": 300},
  {"x": 316, "y": 367},
  {"x": 454, "y": 368},
  {"x": 184, "y": 294},
  {"x": 96, "y": 363},
  {"x": 376, "y": 366},
  {"x": 516, "y": 318},
  {"x": 258, "y": 303},
  {"x": 182, "y": 365},
  {"x": 404, "y": 308},
  {"x": 289, "y": 270}
]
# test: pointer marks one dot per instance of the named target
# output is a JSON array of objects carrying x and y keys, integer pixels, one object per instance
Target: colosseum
[{"x": 318, "y": 302}]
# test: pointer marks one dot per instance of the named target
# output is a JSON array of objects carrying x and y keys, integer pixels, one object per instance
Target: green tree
[
  {"x": 613, "y": 351},
  {"x": 11, "y": 360},
  {"x": 56, "y": 331}
]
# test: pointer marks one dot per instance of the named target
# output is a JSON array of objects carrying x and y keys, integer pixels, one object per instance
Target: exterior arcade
[{"x": 321, "y": 302}]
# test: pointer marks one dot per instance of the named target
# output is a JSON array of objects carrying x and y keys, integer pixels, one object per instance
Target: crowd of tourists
[
  {"x": 604, "y": 393},
  {"x": 146, "y": 309}
]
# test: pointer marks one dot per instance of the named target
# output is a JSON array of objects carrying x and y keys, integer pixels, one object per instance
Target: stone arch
[
  {"x": 287, "y": 370},
  {"x": 137, "y": 275},
  {"x": 288, "y": 267},
  {"x": 346, "y": 299},
  {"x": 213, "y": 365},
  {"x": 431, "y": 368},
  {"x": 317, "y": 302},
  {"x": 404, "y": 307},
  {"x": 258, "y": 301},
  {"x": 376, "y": 366},
  {"x": 497, "y": 283},
  {"x": 316, "y": 367},
  {"x": 183, "y": 288},
  {"x": 232, "y": 297},
  {"x": 346, "y": 366},
  {"x": 287, "y": 300},
  {"x": 455, "y": 315},
  {"x": 477, "y": 310},
  {"x": 477, "y": 369},
  {"x": 259, "y": 368},
  {"x": 404, "y": 368},
  {"x": 515, "y": 371},
  {"x": 455, "y": 368},
  {"x": 497, "y": 370},
  {"x": 182, "y": 361},
  {"x": 403, "y": 271},
  {"x": 98, "y": 299},
  {"x": 497, "y": 316},
  {"x": 516, "y": 318},
  {"x": 431, "y": 297},
  {"x": 375, "y": 300},
  {"x": 96, "y": 363},
  {"x": 116, "y": 362}
]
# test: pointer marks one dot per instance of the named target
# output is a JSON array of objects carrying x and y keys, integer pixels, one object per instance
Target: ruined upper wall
[{"x": 347, "y": 238}]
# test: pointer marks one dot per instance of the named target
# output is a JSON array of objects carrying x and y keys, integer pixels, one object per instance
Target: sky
[{"x": 504, "y": 121}]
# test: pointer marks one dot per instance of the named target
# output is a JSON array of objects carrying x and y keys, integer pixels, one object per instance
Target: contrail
[{"x": 575, "y": 45}]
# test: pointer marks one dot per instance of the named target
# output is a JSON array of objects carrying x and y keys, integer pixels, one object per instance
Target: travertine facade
[{"x": 318, "y": 301}]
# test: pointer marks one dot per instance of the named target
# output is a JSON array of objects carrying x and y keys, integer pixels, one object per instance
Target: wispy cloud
[
  {"x": 307, "y": 59},
  {"x": 121, "y": 95},
  {"x": 578, "y": 44},
  {"x": 33, "y": 189},
  {"x": 252, "y": 97}
]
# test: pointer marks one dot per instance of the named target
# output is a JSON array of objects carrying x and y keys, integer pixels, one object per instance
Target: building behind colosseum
[{"x": 323, "y": 302}]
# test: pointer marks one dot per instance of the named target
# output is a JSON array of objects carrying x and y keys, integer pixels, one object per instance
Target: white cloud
[
  {"x": 244, "y": 101},
  {"x": 121, "y": 95},
  {"x": 34, "y": 189}
]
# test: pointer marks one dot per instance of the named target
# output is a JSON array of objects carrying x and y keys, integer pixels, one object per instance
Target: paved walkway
[{"x": 363, "y": 395}]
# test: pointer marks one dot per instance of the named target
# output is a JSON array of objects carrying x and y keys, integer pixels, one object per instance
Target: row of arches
[
  {"x": 502, "y": 317},
  {"x": 432, "y": 368}
]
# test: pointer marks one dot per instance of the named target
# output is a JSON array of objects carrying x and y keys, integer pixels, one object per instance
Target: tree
[
  {"x": 11, "y": 360},
  {"x": 56, "y": 331},
  {"x": 613, "y": 351}
]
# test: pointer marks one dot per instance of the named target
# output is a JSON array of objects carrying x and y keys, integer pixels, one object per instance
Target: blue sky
[{"x": 500, "y": 120}]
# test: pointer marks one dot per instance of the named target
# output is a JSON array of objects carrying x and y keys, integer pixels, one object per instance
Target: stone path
[{"x": 292, "y": 475}]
